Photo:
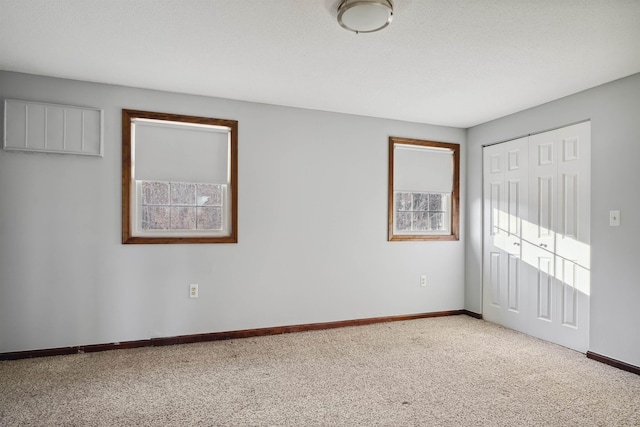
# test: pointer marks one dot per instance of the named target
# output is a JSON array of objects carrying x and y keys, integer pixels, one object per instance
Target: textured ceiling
[{"x": 453, "y": 62}]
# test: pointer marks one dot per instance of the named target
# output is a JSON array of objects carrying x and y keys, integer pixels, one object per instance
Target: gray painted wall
[
  {"x": 614, "y": 110},
  {"x": 312, "y": 230}
]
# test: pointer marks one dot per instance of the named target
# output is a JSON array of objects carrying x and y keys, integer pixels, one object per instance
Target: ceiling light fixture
[{"x": 365, "y": 16}]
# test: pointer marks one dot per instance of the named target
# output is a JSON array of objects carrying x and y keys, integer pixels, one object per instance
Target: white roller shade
[
  {"x": 181, "y": 153},
  {"x": 422, "y": 169}
]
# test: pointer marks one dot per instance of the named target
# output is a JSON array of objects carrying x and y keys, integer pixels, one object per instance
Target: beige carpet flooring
[{"x": 451, "y": 371}]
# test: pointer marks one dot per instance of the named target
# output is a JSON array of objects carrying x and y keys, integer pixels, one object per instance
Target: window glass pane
[
  {"x": 437, "y": 221},
  {"x": 420, "y": 201},
  {"x": 209, "y": 218},
  {"x": 436, "y": 202},
  {"x": 403, "y": 201},
  {"x": 183, "y": 194},
  {"x": 155, "y": 193},
  {"x": 421, "y": 212},
  {"x": 172, "y": 206},
  {"x": 403, "y": 221},
  {"x": 155, "y": 217},
  {"x": 183, "y": 218},
  {"x": 421, "y": 221},
  {"x": 209, "y": 194}
]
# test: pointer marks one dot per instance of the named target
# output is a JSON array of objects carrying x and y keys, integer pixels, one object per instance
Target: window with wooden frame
[
  {"x": 179, "y": 178},
  {"x": 424, "y": 190}
]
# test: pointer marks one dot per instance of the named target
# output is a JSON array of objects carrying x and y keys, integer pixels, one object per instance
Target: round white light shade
[{"x": 365, "y": 16}]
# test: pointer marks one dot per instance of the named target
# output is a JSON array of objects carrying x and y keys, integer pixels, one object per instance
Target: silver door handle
[
  {"x": 516, "y": 243},
  {"x": 544, "y": 245}
]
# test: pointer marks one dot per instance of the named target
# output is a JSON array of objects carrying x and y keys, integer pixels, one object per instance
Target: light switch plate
[{"x": 614, "y": 218}]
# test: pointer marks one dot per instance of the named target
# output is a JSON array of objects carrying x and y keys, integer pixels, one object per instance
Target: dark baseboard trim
[
  {"x": 613, "y": 362},
  {"x": 60, "y": 351},
  {"x": 471, "y": 314},
  {"x": 218, "y": 336}
]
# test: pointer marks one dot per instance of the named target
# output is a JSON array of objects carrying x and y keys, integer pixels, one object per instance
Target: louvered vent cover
[{"x": 51, "y": 128}]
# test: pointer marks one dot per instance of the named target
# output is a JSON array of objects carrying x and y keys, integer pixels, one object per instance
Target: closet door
[
  {"x": 556, "y": 236},
  {"x": 505, "y": 204},
  {"x": 539, "y": 235},
  {"x": 573, "y": 237}
]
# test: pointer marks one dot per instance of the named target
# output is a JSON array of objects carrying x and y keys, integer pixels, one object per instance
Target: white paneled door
[
  {"x": 536, "y": 275},
  {"x": 505, "y": 189}
]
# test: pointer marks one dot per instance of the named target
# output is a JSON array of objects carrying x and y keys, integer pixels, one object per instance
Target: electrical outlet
[
  {"x": 614, "y": 218},
  {"x": 193, "y": 290},
  {"x": 423, "y": 280}
]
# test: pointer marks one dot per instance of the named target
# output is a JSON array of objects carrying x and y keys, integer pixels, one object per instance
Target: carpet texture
[{"x": 448, "y": 371}]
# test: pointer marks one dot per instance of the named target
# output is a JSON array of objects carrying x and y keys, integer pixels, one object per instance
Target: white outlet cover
[{"x": 193, "y": 290}]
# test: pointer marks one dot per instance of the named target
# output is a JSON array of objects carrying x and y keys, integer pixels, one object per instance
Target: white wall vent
[{"x": 51, "y": 128}]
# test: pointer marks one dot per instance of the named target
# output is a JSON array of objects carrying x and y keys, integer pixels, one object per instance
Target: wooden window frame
[
  {"x": 454, "y": 233},
  {"x": 127, "y": 209}
]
